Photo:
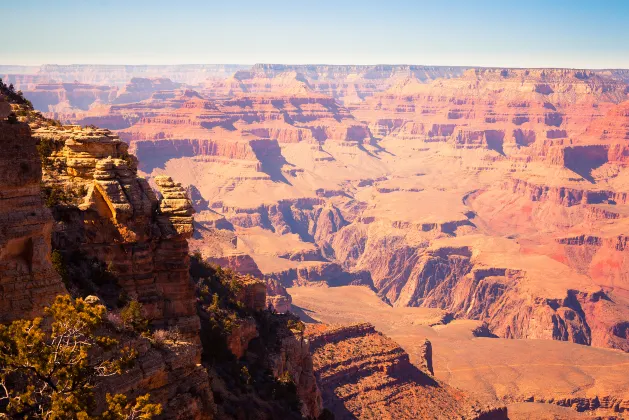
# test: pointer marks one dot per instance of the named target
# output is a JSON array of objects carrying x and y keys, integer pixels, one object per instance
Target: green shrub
[
  {"x": 50, "y": 373},
  {"x": 132, "y": 317},
  {"x": 45, "y": 148},
  {"x": 59, "y": 264}
]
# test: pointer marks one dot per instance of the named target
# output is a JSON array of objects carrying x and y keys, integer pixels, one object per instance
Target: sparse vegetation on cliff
[
  {"x": 48, "y": 366},
  {"x": 132, "y": 317},
  {"x": 13, "y": 95},
  {"x": 55, "y": 194},
  {"x": 249, "y": 379}
]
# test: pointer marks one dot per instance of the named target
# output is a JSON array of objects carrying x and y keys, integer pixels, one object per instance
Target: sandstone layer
[
  {"x": 28, "y": 281},
  {"x": 364, "y": 374},
  {"x": 583, "y": 379}
]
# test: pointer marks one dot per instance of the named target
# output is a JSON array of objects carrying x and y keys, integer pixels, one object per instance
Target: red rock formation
[
  {"x": 106, "y": 226},
  {"x": 364, "y": 374},
  {"x": 122, "y": 224},
  {"x": 492, "y": 108},
  {"x": 28, "y": 281},
  {"x": 277, "y": 297}
]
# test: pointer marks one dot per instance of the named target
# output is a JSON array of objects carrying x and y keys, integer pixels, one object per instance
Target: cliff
[
  {"x": 364, "y": 374},
  {"x": 502, "y": 110},
  {"x": 116, "y": 238},
  {"x": 259, "y": 360},
  {"x": 114, "y": 217},
  {"x": 28, "y": 281}
]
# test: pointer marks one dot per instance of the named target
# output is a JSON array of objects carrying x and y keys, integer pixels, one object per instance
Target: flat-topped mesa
[
  {"x": 503, "y": 110},
  {"x": 345, "y": 83},
  {"x": 283, "y": 116},
  {"x": 141, "y": 88},
  {"x": 28, "y": 281},
  {"x": 65, "y": 98},
  {"x": 294, "y": 118},
  {"x": 564, "y": 195}
]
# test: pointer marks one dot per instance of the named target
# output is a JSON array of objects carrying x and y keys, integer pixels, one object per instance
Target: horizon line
[{"x": 323, "y": 64}]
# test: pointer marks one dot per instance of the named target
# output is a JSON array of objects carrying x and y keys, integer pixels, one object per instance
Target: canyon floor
[{"x": 488, "y": 368}]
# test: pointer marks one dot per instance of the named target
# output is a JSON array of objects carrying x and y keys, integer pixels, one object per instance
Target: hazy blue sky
[{"x": 530, "y": 33}]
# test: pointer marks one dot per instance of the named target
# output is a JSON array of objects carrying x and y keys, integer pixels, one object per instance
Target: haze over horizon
[{"x": 458, "y": 33}]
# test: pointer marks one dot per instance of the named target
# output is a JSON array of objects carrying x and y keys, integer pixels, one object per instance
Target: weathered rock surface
[
  {"x": 172, "y": 374},
  {"x": 28, "y": 281},
  {"x": 121, "y": 223},
  {"x": 552, "y": 373},
  {"x": 497, "y": 197},
  {"x": 364, "y": 374},
  {"x": 277, "y": 297}
]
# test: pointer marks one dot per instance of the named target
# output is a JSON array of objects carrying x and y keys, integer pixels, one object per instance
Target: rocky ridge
[{"x": 364, "y": 374}]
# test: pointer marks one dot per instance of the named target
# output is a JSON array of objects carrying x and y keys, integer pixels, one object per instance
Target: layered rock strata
[
  {"x": 28, "y": 281},
  {"x": 142, "y": 240},
  {"x": 364, "y": 374}
]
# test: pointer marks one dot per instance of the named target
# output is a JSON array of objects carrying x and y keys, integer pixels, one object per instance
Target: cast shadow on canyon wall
[{"x": 401, "y": 377}]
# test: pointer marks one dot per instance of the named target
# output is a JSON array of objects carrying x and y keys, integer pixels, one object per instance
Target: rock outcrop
[
  {"x": 364, "y": 374},
  {"x": 28, "y": 281},
  {"x": 277, "y": 297},
  {"x": 500, "y": 110},
  {"x": 120, "y": 222},
  {"x": 99, "y": 203}
]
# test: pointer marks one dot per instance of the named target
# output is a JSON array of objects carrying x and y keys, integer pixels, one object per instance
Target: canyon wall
[
  {"x": 364, "y": 374},
  {"x": 28, "y": 281}
]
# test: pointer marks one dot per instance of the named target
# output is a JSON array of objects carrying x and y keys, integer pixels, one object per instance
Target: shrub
[
  {"x": 245, "y": 376},
  {"x": 296, "y": 325},
  {"x": 132, "y": 318},
  {"x": 163, "y": 338},
  {"x": 45, "y": 148},
  {"x": 12, "y": 118},
  {"x": 59, "y": 264},
  {"x": 54, "y": 195},
  {"x": 50, "y": 372}
]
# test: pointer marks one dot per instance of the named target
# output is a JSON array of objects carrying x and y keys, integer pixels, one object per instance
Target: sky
[{"x": 506, "y": 33}]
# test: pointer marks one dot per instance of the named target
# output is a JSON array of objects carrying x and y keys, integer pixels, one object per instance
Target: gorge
[{"x": 453, "y": 238}]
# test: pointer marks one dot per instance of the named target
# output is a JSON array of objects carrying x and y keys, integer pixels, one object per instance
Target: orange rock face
[
  {"x": 120, "y": 222},
  {"x": 364, "y": 374}
]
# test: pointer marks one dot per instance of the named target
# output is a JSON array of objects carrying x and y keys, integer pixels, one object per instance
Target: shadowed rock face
[
  {"x": 28, "y": 281},
  {"x": 103, "y": 216}
]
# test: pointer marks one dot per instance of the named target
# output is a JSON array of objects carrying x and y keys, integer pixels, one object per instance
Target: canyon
[{"x": 474, "y": 218}]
